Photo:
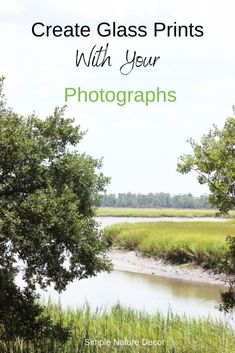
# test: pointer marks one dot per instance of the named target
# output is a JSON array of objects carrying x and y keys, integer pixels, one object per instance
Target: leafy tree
[
  {"x": 213, "y": 159},
  {"x": 48, "y": 195},
  {"x": 154, "y": 200}
]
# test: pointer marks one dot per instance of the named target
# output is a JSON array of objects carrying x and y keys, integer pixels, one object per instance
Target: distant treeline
[{"x": 155, "y": 200}]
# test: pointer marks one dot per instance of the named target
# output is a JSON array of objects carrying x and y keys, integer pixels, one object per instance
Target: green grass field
[
  {"x": 202, "y": 243},
  {"x": 172, "y": 334},
  {"x": 156, "y": 212}
]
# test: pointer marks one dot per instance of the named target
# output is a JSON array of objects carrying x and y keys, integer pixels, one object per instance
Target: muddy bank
[{"x": 132, "y": 262}]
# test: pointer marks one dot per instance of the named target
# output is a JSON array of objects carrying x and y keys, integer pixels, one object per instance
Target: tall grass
[
  {"x": 172, "y": 334},
  {"x": 202, "y": 243},
  {"x": 156, "y": 212}
]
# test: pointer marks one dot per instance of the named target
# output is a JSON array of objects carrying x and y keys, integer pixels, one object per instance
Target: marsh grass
[
  {"x": 176, "y": 334},
  {"x": 156, "y": 212},
  {"x": 201, "y": 243}
]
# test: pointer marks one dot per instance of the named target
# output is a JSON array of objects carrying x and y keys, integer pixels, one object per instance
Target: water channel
[{"x": 139, "y": 291}]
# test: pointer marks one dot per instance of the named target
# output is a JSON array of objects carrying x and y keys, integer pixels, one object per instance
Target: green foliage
[
  {"x": 48, "y": 195},
  {"x": 213, "y": 159},
  {"x": 173, "y": 332},
  {"x": 155, "y": 200},
  {"x": 156, "y": 212},
  {"x": 201, "y": 243},
  {"x": 22, "y": 316},
  {"x": 227, "y": 302}
]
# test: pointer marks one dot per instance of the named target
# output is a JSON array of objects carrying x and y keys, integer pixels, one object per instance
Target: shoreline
[
  {"x": 160, "y": 212},
  {"x": 130, "y": 261}
]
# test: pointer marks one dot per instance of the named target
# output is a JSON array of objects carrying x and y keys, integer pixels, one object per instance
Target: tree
[
  {"x": 213, "y": 159},
  {"x": 214, "y": 162},
  {"x": 154, "y": 200},
  {"x": 48, "y": 195}
]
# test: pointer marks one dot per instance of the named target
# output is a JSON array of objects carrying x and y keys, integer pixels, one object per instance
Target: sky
[{"x": 140, "y": 145}]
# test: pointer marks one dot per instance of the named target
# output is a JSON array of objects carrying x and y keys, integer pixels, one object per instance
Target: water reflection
[
  {"x": 141, "y": 292},
  {"x": 181, "y": 288},
  {"x": 107, "y": 221}
]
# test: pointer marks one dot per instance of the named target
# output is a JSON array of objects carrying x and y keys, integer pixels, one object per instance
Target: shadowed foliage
[{"x": 48, "y": 196}]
